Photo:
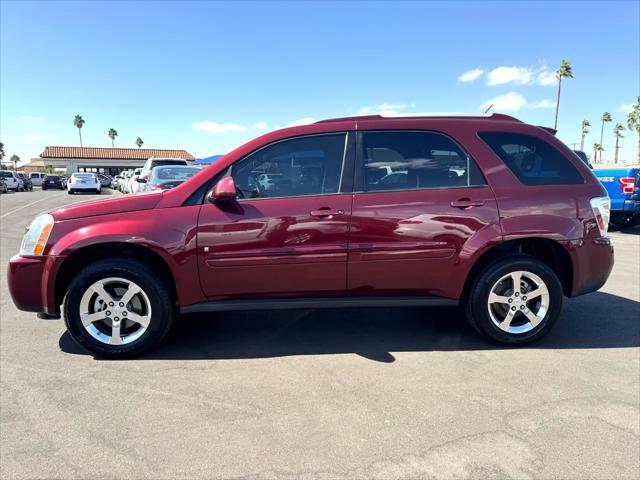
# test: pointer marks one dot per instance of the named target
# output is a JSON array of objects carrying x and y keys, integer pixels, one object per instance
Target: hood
[{"x": 145, "y": 201}]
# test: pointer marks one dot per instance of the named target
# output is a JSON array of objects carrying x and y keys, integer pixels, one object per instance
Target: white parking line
[{"x": 24, "y": 206}]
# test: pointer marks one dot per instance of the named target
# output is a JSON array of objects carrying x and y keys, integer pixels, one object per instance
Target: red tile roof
[{"x": 113, "y": 153}]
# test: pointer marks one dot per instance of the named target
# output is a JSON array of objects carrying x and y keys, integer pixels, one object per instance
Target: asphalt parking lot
[{"x": 381, "y": 393}]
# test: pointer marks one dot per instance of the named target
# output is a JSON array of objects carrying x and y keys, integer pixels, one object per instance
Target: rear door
[
  {"x": 419, "y": 201},
  {"x": 286, "y": 235}
]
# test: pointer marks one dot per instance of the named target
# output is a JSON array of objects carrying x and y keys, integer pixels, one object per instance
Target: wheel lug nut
[
  {"x": 517, "y": 294},
  {"x": 521, "y": 307},
  {"x": 511, "y": 300},
  {"x": 524, "y": 298},
  {"x": 124, "y": 314},
  {"x": 116, "y": 319},
  {"x": 121, "y": 304},
  {"x": 513, "y": 308},
  {"x": 111, "y": 304},
  {"x": 107, "y": 313}
]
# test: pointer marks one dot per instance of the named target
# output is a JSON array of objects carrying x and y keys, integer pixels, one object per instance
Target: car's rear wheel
[
  {"x": 515, "y": 301},
  {"x": 118, "y": 308}
]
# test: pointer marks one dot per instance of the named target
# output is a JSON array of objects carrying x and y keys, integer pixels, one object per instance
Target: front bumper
[
  {"x": 29, "y": 286},
  {"x": 592, "y": 260}
]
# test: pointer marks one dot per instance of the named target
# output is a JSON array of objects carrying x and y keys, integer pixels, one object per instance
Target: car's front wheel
[
  {"x": 118, "y": 308},
  {"x": 514, "y": 301}
]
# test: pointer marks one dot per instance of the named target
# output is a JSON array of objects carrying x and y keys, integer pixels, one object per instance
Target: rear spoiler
[{"x": 552, "y": 131}]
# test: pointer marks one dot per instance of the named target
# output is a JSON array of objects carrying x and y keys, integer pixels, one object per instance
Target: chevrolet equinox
[{"x": 488, "y": 213}]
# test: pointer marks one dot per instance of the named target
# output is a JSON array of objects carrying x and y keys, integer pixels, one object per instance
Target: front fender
[{"x": 169, "y": 233}]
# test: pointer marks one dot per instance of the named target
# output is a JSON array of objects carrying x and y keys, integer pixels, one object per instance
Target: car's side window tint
[
  {"x": 310, "y": 165},
  {"x": 410, "y": 160},
  {"x": 532, "y": 160}
]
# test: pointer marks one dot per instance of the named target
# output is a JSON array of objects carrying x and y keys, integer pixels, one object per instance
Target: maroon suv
[{"x": 486, "y": 212}]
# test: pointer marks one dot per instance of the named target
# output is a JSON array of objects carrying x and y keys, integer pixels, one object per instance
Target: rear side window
[
  {"x": 532, "y": 160},
  {"x": 410, "y": 160}
]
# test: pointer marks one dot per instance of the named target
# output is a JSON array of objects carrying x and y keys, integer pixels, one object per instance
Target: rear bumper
[
  {"x": 592, "y": 260},
  {"x": 29, "y": 286}
]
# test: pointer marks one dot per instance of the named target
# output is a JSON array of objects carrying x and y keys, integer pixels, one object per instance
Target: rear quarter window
[{"x": 532, "y": 160}]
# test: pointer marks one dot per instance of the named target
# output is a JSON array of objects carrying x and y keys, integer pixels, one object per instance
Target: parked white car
[
  {"x": 11, "y": 179},
  {"x": 132, "y": 183},
  {"x": 36, "y": 178},
  {"x": 83, "y": 182}
]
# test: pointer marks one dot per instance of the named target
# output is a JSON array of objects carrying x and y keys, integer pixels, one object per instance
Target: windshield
[
  {"x": 174, "y": 173},
  {"x": 6, "y": 174},
  {"x": 52, "y": 177}
]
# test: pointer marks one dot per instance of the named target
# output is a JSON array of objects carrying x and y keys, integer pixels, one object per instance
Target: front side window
[
  {"x": 532, "y": 160},
  {"x": 310, "y": 165},
  {"x": 410, "y": 160}
]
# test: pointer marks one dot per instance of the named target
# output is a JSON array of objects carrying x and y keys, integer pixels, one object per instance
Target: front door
[
  {"x": 420, "y": 199},
  {"x": 286, "y": 235}
]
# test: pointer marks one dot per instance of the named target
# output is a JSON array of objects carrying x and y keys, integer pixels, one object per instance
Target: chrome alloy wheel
[
  {"x": 518, "y": 302},
  {"x": 115, "y": 311}
]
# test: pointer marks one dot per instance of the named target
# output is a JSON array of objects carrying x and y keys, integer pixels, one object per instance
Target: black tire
[
  {"x": 477, "y": 308},
  {"x": 625, "y": 220},
  {"x": 153, "y": 284}
]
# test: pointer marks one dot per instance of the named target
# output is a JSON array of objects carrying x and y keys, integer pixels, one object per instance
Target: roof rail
[{"x": 494, "y": 116}]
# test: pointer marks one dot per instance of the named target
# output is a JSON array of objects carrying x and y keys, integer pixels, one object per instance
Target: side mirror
[
  {"x": 224, "y": 190},
  {"x": 141, "y": 180}
]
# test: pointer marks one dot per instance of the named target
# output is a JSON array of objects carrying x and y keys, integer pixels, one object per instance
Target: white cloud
[
  {"x": 471, "y": 75},
  {"x": 213, "y": 127},
  {"x": 512, "y": 102},
  {"x": 626, "y": 107},
  {"x": 302, "y": 121},
  {"x": 521, "y": 76},
  {"x": 546, "y": 78},
  {"x": 260, "y": 126},
  {"x": 384, "y": 107},
  {"x": 502, "y": 75}
]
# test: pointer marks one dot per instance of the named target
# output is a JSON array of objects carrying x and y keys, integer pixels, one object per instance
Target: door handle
[
  {"x": 466, "y": 203},
  {"x": 325, "y": 212}
]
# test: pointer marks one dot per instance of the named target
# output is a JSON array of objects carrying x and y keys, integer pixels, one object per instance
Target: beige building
[{"x": 109, "y": 161}]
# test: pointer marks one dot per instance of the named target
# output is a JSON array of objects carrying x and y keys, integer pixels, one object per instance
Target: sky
[{"x": 209, "y": 76}]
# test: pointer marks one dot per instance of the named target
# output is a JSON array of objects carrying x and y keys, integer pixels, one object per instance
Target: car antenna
[{"x": 488, "y": 108}]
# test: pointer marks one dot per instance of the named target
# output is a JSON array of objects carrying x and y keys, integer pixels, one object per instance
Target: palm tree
[
  {"x": 14, "y": 159},
  {"x": 562, "y": 72},
  {"x": 617, "y": 131},
  {"x": 633, "y": 122},
  {"x": 112, "y": 134},
  {"x": 139, "y": 142},
  {"x": 78, "y": 121},
  {"x": 606, "y": 117},
  {"x": 585, "y": 129},
  {"x": 597, "y": 148}
]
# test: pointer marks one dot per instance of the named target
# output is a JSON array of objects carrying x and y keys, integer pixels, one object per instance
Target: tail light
[
  {"x": 601, "y": 207},
  {"x": 627, "y": 184}
]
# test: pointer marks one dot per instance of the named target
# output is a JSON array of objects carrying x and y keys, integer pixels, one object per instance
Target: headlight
[{"x": 36, "y": 236}]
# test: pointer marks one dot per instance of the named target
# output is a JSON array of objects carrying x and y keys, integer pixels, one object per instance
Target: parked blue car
[{"x": 623, "y": 186}]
